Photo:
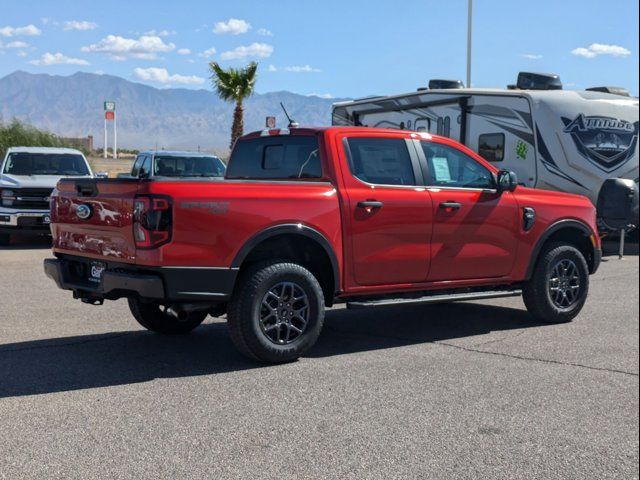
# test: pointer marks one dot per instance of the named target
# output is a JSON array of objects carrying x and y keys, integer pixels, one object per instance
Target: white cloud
[
  {"x": 531, "y": 56},
  {"x": 183, "y": 51},
  {"x": 264, "y": 32},
  {"x": 160, "y": 33},
  {"x": 81, "y": 25},
  {"x": 294, "y": 69},
  {"x": 301, "y": 69},
  {"x": 208, "y": 53},
  {"x": 22, "y": 53},
  {"x": 161, "y": 75},
  {"x": 146, "y": 47},
  {"x": 58, "y": 59},
  {"x": 16, "y": 44},
  {"x": 26, "y": 31},
  {"x": 233, "y": 26},
  {"x": 260, "y": 50},
  {"x": 321, "y": 95},
  {"x": 596, "y": 49}
]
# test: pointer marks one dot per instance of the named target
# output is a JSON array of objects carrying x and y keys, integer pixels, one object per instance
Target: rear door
[
  {"x": 475, "y": 229},
  {"x": 388, "y": 210}
]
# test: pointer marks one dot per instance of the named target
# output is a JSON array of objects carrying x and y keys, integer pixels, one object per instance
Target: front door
[
  {"x": 475, "y": 229},
  {"x": 389, "y": 212}
]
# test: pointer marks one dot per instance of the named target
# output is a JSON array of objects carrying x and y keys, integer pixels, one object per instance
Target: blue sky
[{"x": 333, "y": 48}]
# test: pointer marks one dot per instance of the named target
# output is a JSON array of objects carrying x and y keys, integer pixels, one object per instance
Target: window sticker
[{"x": 441, "y": 169}]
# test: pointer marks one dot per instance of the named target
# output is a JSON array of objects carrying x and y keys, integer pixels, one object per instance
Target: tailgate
[{"x": 93, "y": 218}]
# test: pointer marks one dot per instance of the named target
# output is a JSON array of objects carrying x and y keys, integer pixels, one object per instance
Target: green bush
[{"x": 17, "y": 134}]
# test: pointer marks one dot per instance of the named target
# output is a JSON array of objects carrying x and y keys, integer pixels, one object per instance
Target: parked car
[
  {"x": 308, "y": 217},
  {"x": 153, "y": 164},
  {"x": 554, "y": 139},
  {"x": 28, "y": 175}
]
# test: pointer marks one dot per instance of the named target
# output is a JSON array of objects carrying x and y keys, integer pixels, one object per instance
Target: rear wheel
[
  {"x": 5, "y": 239},
  {"x": 559, "y": 285},
  {"x": 276, "y": 312},
  {"x": 155, "y": 317}
]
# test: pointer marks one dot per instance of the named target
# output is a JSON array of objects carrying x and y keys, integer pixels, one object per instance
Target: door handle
[
  {"x": 450, "y": 205},
  {"x": 370, "y": 204}
]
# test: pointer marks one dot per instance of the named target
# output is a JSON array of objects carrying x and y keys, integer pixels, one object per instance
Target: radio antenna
[{"x": 292, "y": 123}]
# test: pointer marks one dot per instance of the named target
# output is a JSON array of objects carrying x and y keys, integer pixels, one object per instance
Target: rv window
[
  {"x": 449, "y": 167},
  {"x": 491, "y": 146},
  {"x": 383, "y": 161}
]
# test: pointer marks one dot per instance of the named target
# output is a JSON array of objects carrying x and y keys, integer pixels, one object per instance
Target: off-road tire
[
  {"x": 5, "y": 239},
  {"x": 153, "y": 317},
  {"x": 245, "y": 312},
  {"x": 537, "y": 293}
]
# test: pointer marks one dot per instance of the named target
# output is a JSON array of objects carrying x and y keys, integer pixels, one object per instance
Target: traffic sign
[
  {"x": 109, "y": 115},
  {"x": 271, "y": 122},
  {"x": 109, "y": 106}
]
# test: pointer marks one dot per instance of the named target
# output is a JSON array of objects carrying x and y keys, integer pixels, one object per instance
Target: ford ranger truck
[
  {"x": 28, "y": 175},
  {"x": 309, "y": 217}
]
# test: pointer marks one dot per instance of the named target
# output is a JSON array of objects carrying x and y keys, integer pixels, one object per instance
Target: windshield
[
  {"x": 173, "y": 166},
  {"x": 24, "y": 163}
]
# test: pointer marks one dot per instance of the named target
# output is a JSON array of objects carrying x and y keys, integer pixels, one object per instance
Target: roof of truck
[
  {"x": 43, "y": 150},
  {"x": 178, "y": 153}
]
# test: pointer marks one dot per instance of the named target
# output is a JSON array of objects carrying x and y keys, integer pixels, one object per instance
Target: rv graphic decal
[{"x": 606, "y": 142}]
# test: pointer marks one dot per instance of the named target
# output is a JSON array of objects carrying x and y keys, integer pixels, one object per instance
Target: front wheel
[
  {"x": 276, "y": 312},
  {"x": 559, "y": 285},
  {"x": 155, "y": 317}
]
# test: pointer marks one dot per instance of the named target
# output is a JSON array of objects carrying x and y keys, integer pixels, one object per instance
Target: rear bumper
[{"x": 118, "y": 280}]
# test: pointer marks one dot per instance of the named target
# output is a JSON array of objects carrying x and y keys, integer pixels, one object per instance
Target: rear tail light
[{"x": 152, "y": 221}]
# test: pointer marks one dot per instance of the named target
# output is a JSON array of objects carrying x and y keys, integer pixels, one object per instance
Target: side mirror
[
  {"x": 102, "y": 175},
  {"x": 507, "y": 181}
]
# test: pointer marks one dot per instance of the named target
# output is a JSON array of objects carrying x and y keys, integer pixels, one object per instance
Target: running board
[{"x": 451, "y": 297}]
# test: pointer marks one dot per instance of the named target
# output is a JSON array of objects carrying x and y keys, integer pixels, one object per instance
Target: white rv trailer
[{"x": 554, "y": 139}]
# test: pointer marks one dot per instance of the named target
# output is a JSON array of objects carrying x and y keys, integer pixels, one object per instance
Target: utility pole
[
  {"x": 469, "y": 15},
  {"x": 104, "y": 152},
  {"x": 115, "y": 137}
]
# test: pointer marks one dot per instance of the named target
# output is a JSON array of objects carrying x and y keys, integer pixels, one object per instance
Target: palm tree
[{"x": 234, "y": 84}]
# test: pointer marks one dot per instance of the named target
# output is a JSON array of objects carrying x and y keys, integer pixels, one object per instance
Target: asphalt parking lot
[{"x": 468, "y": 390}]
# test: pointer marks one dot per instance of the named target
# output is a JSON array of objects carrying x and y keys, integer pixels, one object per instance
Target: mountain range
[{"x": 147, "y": 117}]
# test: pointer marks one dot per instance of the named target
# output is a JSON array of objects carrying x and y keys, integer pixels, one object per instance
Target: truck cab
[{"x": 28, "y": 175}]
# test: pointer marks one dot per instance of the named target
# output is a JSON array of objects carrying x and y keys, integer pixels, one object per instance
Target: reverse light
[{"x": 152, "y": 221}]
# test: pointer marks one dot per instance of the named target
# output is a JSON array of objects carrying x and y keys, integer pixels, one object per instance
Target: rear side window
[
  {"x": 383, "y": 161},
  {"x": 491, "y": 146},
  {"x": 276, "y": 158}
]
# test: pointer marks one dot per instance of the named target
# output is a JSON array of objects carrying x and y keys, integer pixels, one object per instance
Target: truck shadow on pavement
[{"x": 129, "y": 357}]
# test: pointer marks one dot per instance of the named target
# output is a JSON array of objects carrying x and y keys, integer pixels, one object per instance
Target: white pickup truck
[{"x": 28, "y": 175}]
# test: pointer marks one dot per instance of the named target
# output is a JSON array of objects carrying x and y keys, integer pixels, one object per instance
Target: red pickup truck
[{"x": 307, "y": 217}]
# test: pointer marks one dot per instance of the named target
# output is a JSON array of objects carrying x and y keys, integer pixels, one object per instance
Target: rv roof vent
[
  {"x": 538, "y": 81},
  {"x": 437, "y": 84},
  {"x": 612, "y": 90}
]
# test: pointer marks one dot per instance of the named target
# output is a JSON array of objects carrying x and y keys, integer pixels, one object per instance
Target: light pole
[{"x": 469, "y": 15}]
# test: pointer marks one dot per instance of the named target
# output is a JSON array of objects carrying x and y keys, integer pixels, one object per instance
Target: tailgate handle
[{"x": 87, "y": 189}]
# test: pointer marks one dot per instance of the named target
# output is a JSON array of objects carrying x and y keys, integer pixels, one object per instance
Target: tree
[{"x": 234, "y": 84}]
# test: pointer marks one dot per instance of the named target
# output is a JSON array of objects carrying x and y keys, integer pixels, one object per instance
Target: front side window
[
  {"x": 293, "y": 157},
  {"x": 135, "y": 171},
  {"x": 491, "y": 146},
  {"x": 449, "y": 167},
  {"x": 145, "y": 168},
  {"x": 382, "y": 161},
  {"x": 185, "y": 166},
  {"x": 23, "y": 163}
]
